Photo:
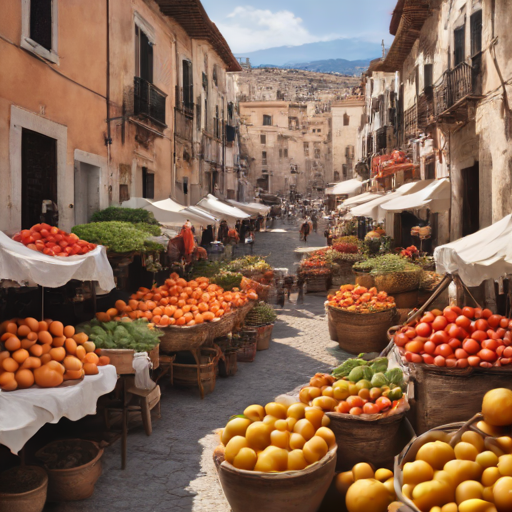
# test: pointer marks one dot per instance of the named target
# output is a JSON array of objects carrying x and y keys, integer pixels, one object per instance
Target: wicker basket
[
  {"x": 364, "y": 279},
  {"x": 222, "y": 327},
  {"x": 186, "y": 375},
  {"x": 399, "y": 282},
  {"x": 361, "y": 332},
  {"x": 122, "y": 359},
  {"x": 431, "y": 382},
  {"x": 247, "y": 352},
  {"x": 315, "y": 284},
  {"x": 176, "y": 339}
]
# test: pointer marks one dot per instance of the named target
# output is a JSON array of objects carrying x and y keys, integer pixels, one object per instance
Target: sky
[{"x": 250, "y": 25}]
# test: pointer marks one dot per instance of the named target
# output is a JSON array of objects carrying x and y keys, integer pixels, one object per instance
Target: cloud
[{"x": 249, "y": 29}]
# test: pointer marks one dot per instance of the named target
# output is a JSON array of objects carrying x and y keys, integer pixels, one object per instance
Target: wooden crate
[{"x": 122, "y": 359}]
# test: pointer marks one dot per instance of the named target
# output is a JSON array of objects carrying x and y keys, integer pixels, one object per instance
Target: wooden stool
[{"x": 146, "y": 400}]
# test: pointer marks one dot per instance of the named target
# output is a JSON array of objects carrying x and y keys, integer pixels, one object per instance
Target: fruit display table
[{"x": 23, "y": 412}]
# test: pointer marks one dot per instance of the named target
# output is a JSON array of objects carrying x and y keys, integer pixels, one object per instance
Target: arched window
[
  {"x": 336, "y": 176},
  {"x": 346, "y": 119}
]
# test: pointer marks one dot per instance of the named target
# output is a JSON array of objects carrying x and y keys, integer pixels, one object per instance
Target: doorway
[
  {"x": 87, "y": 191},
  {"x": 470, "y": 200},
  {"x": 38, "y": 178}
]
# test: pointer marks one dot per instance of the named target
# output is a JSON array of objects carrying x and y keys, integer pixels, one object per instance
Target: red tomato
[
  {"x": 427, "y": 317},
  {"x": 356, "y": 411},
  {"x": 414, "y": 346},
  {"x": 460, "y": 353},
  {"x": 494, "y": 320},
  {"x": 456, "y": 332},
  {"x": 48, "y": 252},
  {"x": 462, "y": 363},
  {"x": 463, "y": 321},
  {"x": 457, "y": 310},
  {"x": 36, "y": 236},
  {"x": 486, "y": 313},
  {"x": 487, "y": 355},
  {"x": 469, "y": 312},
  {"x": 32, "y": 246},
  {"x": 507, "y": 352},
  {"x": 505, "y": 361},
  {"x": 355, "y": 401},
  {"x": 57, "y": 249},
  {"x": 63, "y": 244},
  {"x": 427, "y": 359},
  {"x": 54, "y": 231},
  {"x": 504, "y": 322},
  {"x": 424, "y": 330},
  {"x": 383, "y": 403},
  {"x": 479, "y": 335},
  {"x": 478, "y": 313},
  {"x": 451, "y": 363},
  {"x": 36, "y": 227},
  {"x": 439, "y": 323},
  {"x": 450, "y": 315},
  {"x": 440, "y": 337},
  {"x": 429, "y": 347},
  {"x": 440, "y": 361},
  {"x": 44, "y": 233},
  {"x": 474, "y": 360},
  {"x": 455, "y": 343},
  {"x": 50, "y": 245},
  {"x": 401, "y": 340},
  {"x": 481, "y": 325},
  {"x": 500, "y": 350},
  {"x": 75, "y": 249},
  {"x": 471, "y": 346},
  {"x": 370, "y": 408},
  {"x": 343, "y": 407},
  {"x": 408, "y": 356},
  {"x": 58, "y": 237},
  {"x": 500, "y": 333},
  {"x": 443, "y": 350},
  {"x": 490, "y": 344},
  {"x": 416, "y": 358}
]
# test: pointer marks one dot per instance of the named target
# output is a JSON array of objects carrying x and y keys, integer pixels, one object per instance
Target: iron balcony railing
[
  {"x": 456, "y": 85},
  {"x": 149, "y": 101}
]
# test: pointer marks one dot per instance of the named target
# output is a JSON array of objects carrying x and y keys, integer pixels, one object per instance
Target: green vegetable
[
  {"x": 364, "y": 383},
  {"x": 133, "y": 215},
  {"x": 346, "y": 367},
  {"x": 395, "y": 394},
  {"x": 387, "y": 264},
  {"x": 367, "y": 372},
  {"x": 379, "y": 380},
  {"x": 379, "y": 365},
  {"x": 356, "y": 374},
  {"x": 261, "y": 314},
  {"x": 120, "y": 237},
  {"x": 248, "y": 263},
  {"x": 395, "y": 376}
]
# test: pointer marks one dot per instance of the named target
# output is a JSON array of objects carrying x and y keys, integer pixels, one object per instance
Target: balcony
[
  {"x": 411, "y": 122},
  {"x": 458, "y": 86},
  {"x": 149, "y": 101}
]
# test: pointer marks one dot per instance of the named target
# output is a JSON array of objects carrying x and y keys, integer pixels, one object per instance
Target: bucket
[{"x": 263, "y": 337}]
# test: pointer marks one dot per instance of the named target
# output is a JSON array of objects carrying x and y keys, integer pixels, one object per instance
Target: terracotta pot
[{"x": 30, "y": 501}]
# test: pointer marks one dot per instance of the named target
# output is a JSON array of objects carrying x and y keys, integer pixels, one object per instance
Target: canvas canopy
[
  {"x": 373, "y": 208},
  {"x": 486, "y": 254},
  {"x": 223, "y": 211},
  {"x": 435, "y": 197},
  {"x": 349, "y": 187},
  {"x": 365, "y": 197},
  {"x": 170, "y": 212},
  {"x": 251, "y": 208}
]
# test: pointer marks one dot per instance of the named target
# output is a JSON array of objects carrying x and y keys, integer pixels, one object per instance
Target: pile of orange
[
  {"x": 359, "y": 299},
  {"x": 45, "y": 353},
  {"x": 180, "y": 302}
]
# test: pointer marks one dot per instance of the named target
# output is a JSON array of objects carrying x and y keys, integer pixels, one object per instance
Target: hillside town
[{"x": 229, "y": 286}]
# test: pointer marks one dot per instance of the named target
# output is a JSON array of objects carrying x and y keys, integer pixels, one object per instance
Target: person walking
[
  {"x": 207, "y": 238},
  {"x": 314, "y": 219},
  {"x": 305, "y": 230}
]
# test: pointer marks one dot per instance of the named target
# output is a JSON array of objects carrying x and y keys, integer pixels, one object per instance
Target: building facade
[{"x": 108, "y": 102}]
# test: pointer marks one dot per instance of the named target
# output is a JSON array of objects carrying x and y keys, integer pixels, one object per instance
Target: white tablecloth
[
  {"x": 23, "y": 412},
  {"x": 25, "y": 266}
]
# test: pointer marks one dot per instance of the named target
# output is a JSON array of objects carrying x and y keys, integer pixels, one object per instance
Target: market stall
[
  {"x": 251, "y": 208},
  {"x": 363, "y": 198},
  {"x": 169, "y": 212},
  {"x": 229, "y": 213},
  {"x": 342, "y": 190}
]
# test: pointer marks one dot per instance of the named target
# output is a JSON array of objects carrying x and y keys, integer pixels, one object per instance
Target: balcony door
[
  {"x": 143, "y": 56},
  {"x": 471, "y": 200}
]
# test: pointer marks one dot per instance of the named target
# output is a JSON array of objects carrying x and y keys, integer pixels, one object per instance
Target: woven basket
[
  {"x": 223, "y": 327},
  {"x": 186, "y": 374},
  {"x": 364, "y": 279},
  {"x": 176, "y": 339},
  {"x": 247, "y": 352},
  {"x": 317, "y": 284},
  {"x": 399, "y": 282},
  {"x": 361, "y": 332},
  {"x": 243, "y": 311}
]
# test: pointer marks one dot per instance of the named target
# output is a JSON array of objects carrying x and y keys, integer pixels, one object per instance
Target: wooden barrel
[
  {"x": 441, "y": 394},
  {"x": 186, "y": 375},
  {"x": 300, "y": 491},
  {"x": 247, "y": 352},
  {"x": 361, "y": 332},
  {"x": 376, "y": 442}
]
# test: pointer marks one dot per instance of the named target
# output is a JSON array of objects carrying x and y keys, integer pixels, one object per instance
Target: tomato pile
[
  {"x": 359, "y": 299},
  {"x": 53, "y": 241},
  {"x": 179, "y": 302},
  {"x": 458, "y": 338}
]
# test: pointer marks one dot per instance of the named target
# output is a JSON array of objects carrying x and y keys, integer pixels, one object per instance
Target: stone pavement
[{"x": 173, "y": 469}]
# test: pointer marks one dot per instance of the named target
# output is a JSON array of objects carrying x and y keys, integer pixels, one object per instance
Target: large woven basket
[
  {"x": 361, "y": 332},
  {"x": 399, "y": 282},
  {"x": 176, "y": 339},
  {"x": 222, "y": 327},
  {"x": 315, "y": 284}
]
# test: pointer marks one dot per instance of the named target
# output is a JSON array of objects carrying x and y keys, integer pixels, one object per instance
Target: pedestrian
[
  {"x": 238, "y": 226},
  {"x": 207, "y": 238},
  {"x": 243, "y": 231},
  {"x": 314, "y": 219},
  {"x": 229, "y": 243},
  {"x": 223, "y": 231},
  {"x": 304, "y": 230}
]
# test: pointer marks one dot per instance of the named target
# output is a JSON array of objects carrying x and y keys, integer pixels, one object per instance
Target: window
[
  {"x": 345, "y": 170},
  {"x": 280, "y": 153},
  {"x": 428, "y": 79},
  {"x": 263, "y": 139},
  {"x": 216, "y": 124},
  {"x": 264, "y": 158},
  {"x": 148, "y": 184},
  {"x": 205, "y": 115},
  {"x": 319, "y": 131},
  {"x": 267, "y": 120},
  {"x": 285, "y": 152},
  {"x": 459, "y": 36},
  {"x": 346, "y": 119},
  {"x": 306, "y": 148},
  {"x": 143, "y": 56},
  {"x": 336, "y": 176},
  {"x": 39, "y": 28},
  {"x": 214, "y": 76},
  {"x": 205, "y": 81},
  {"x": 476, "y": 33},
  {"x": 188, "y": 88}
]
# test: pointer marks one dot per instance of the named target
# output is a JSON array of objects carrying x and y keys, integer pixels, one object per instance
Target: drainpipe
[{"x": 108, "y": 141}]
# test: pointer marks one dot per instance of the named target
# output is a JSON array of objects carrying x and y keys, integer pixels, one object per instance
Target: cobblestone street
[{"x": 173, "y": 469}]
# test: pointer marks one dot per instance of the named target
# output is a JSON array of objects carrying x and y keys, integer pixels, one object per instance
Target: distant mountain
[
  {"x": 338, "y": 49},
  {"x": 342, "y": 66}
]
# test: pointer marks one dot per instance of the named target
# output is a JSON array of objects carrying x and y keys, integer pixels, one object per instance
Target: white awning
[
  {"x": 223, "y": 211},
  {"x": 486, "y": 254},
  {"x": 365, "y": 197},
  {"x": 349, "y": 187},
  {"x": 373, "y": 208},
  {"x": 202, "y": 214},
  {"x": 170, "y": 212},
  {"x": 435, "y": 197},
  {"x": 251, "y": 208}
]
